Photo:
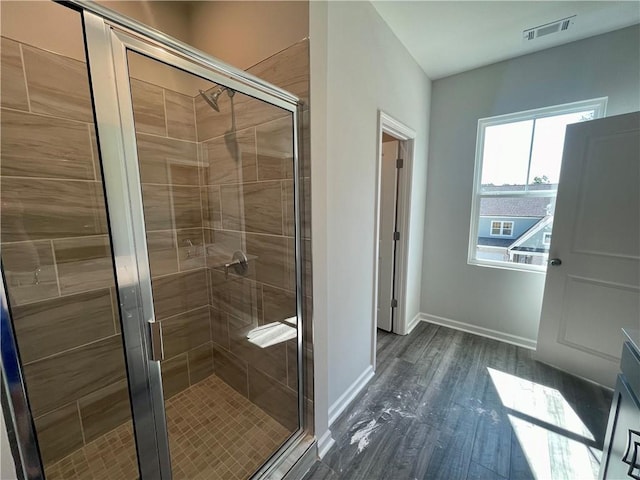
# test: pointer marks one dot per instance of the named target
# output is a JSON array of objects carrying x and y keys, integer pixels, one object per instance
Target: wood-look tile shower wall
[
  {"x": 56, "y": 252},
  {"x": 57, "y": 256},
  {"x": 247, "y": 198},
  {"x": 210, "y": 188},
  {"x": 169, "y": 172}
]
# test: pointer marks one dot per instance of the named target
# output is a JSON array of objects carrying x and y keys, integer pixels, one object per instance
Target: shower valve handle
[{"x": 239, "y": 262}]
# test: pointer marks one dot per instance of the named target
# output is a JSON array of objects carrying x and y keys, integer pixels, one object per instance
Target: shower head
[
  {"x": 212, "y": 98},
  {"x": 230, "y": 136}
]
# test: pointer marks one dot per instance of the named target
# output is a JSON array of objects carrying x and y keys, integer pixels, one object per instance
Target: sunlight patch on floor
[
  {"x": 555, "y": 441},
  {"x": 552, "y": 455},
  {"x": 538, "y": 401}
]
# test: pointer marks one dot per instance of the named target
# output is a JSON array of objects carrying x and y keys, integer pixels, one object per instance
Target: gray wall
[
  {"x": 505, "y": 301},
  {"x": 366, "y": 68}
]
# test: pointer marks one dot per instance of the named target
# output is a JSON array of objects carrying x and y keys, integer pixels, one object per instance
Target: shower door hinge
[
  {"x": 396, "y": 235},
  {"x": 399, "y": 163},
  {"x": 394, "y": 303}
]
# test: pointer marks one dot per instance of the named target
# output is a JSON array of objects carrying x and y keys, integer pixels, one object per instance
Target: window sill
[{"x": 518, "y": 267}]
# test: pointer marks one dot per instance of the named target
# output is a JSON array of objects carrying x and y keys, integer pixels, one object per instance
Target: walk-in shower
[{"x": 152, "y": 309}]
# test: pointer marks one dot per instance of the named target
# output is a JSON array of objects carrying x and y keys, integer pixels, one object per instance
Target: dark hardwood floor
[{"x": 448, "y": 405}]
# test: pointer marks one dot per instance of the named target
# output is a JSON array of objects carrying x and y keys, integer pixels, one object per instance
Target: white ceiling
[{"x": 448, "y": 37}]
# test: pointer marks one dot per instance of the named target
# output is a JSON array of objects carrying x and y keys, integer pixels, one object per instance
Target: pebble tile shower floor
[{"x": 214, "y": 433}]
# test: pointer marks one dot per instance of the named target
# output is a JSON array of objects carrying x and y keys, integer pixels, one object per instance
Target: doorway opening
[{"x": 393, "y": 188}]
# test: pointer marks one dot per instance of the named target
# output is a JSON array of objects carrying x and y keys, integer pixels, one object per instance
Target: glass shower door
[
  {"x": 216, "y": 172},
  {"x": 213, "y": 171},
  {"x": 61, "y": 330}
]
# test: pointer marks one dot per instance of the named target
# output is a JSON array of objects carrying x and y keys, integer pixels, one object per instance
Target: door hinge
[
  {"x": 396, "y": 235},
  {"x": 399, "y": 163},
  {"x": 394, "y": 303}
]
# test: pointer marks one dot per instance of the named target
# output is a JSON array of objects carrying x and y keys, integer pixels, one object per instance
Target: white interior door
[
  {"x": 594, "y": 292},
  {"x": 387, "y": 227}
]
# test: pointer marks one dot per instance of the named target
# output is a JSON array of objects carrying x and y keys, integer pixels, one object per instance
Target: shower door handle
[{"x": 157, "y": 347}]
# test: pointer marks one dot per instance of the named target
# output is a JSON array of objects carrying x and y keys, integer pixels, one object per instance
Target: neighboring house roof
[
  {"x": 494, "y": 242},
  {"x": 514, "y": 207},
  {"x": 527, "y": 242}
]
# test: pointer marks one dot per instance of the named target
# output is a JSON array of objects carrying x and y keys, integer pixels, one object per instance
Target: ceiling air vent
[{"x": 556, "y": 27}]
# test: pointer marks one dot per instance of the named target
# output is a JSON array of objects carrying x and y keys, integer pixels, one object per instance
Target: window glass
[
  {"x": 548, "y": 141},
  {"x": 506, "y": 162},
  {"x": 517, "y": 174}
]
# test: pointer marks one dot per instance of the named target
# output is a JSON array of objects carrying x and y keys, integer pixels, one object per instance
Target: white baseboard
[
  {"x": 413, "y": 322},
  {"x": 325, "y": 442},
  {"x": 347, "y": 397},
  {"x": 481, "y": 331}
]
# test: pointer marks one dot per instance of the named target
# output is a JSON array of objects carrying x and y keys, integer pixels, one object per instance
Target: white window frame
[{"x": 598, "y": 105}]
